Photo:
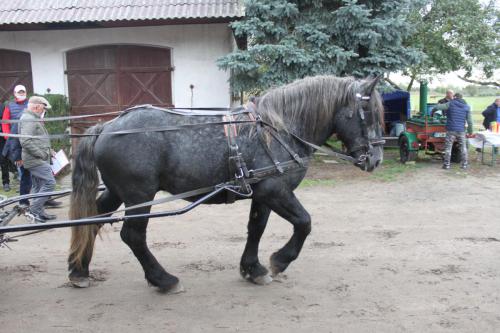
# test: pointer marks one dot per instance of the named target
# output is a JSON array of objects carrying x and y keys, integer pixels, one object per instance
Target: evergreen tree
[{"x": 287, "y": 40}]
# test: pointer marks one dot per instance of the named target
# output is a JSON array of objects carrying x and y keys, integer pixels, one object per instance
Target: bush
[{"x": 60, "y": 108}]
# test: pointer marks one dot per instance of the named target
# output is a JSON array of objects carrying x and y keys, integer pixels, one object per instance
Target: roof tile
[{"x": 58, "y": 11}]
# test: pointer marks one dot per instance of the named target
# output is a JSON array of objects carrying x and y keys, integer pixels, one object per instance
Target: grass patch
[
  {"x": 337, "y": 144},
  {"x": 317, "y": 182},
  {"x": 14, "y": 187},
  {"x": 391, "y": 169}
]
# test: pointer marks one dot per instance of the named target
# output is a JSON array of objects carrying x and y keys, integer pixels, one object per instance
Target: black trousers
[{"x": 4, "y": 164}]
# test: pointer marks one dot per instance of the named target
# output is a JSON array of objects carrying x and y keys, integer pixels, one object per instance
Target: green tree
[
  {"x": 287, "y": 40},
  {"x": 455, "y": 35},
  {"x": 471, "y": 90}
]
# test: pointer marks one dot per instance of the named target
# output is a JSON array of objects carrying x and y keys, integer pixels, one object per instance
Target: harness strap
[
  {"x": 130, "y": 131},
  {"x": 255, "y": 176},
  {"x": 261, "y": 135},
  {"x": 109, "y": 219},
  {"x": 169, "y": 198},
  {"x": 294, "y": 155},
  {"x": 330, "y": 152},
  {"x": 237, "y": 166},
  {"x": 178, "y": 111},
  {"x": 262, "y": 173}
]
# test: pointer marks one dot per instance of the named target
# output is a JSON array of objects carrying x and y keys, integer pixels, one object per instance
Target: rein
[
  {"x": 179, "y": 111},
  {"x": 238, "y": 186},
  {"x": 256, "y": 119}
]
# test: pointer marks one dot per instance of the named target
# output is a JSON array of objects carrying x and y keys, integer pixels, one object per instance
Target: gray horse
[{"x": 135, "y": 166}]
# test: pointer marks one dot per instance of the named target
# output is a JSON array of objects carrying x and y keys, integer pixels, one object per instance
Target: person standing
[
  {"x": 36, "y": 154},
  {"x": 457, "y": 114},
  {"x": 12, "y": 149},
  {"x": 4, "y": 163},
  {"x": 491, "y": 114},
  {"x": 447, "y": 98}
]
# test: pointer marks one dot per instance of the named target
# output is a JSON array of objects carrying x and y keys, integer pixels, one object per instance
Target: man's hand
[{"x": 19, "y": 163}]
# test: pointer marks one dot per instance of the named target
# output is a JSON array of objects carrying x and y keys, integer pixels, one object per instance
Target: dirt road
[{"x": 417, "y": 254}]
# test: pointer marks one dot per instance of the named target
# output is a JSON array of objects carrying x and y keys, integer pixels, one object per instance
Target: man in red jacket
[
  {"x": 4, "y": 163},
  {"x": 12, "y": 149}
]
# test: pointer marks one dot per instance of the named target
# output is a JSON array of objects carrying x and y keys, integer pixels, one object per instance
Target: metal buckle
[
  {"x": 362, "y": 98},
  {"x": 239, "y": 176},
  {"x": 362, "y": 158}
]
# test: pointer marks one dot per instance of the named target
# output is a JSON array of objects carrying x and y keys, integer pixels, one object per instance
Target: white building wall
[{"x": 195, "y": 48}]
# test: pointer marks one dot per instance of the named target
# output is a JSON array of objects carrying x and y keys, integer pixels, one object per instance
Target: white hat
[{"x": 19, "y": 87}]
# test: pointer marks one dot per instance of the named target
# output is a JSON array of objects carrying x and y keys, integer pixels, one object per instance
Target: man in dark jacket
[
  {"x": 457, "y": 113},
  {"x": 491, "y": 114},
  {"x": 12, "y": 149}
]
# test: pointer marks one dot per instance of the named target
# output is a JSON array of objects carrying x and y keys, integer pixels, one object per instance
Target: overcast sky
[{"x": 450, "y": 79}]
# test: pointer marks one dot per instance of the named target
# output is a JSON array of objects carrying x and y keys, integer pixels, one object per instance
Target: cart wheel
[{"x": 405, "y": 154}]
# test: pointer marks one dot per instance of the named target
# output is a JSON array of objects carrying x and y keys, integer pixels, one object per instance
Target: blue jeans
[{"x": 43, "y": 181}]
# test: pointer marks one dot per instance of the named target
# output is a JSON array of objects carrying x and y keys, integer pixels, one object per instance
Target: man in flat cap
[{"x": 36, "y": 154}]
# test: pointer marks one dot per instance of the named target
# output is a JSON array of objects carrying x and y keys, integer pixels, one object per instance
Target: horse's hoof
[
  {"x": 175, "y": 289},
  {"x": 80, "y": 282},
  {"x": 263, "y": 280},
  {"x": 275, "y": 266}
]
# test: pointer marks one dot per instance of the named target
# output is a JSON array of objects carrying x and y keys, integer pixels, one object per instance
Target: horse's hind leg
[
  {"x": 250, "y": 267},
  {"x": 289, "y": 208},
  {"x": 133, "y": 233},
  {"x": 82, "y": 244}
]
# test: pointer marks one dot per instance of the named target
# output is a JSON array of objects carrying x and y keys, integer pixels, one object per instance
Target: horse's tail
[{"x": 85, "y": 182}]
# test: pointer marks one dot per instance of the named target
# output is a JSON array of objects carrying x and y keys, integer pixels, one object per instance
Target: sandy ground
[{"x": 417, "y": 254}]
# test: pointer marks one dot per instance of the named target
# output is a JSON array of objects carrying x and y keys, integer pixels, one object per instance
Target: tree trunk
[
  {"x": 410, "y": 85},
  {"x": 392, "y": 83}
]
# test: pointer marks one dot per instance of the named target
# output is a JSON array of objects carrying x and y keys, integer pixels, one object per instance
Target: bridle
[{"x": 369, "y": 144}]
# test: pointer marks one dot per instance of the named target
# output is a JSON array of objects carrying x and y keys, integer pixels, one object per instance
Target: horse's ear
[{"x": 370, "y": 85}]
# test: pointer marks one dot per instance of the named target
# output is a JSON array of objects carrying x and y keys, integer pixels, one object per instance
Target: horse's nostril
[{"x": 377, "y": 163}]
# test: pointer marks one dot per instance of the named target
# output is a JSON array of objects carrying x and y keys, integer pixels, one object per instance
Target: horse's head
[{"x": 359, "y": 126}]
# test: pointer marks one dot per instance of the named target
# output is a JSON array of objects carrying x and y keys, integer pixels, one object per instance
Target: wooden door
[
  {"x": 114, "y": 77},
  {"x": 15, "y": 68}
]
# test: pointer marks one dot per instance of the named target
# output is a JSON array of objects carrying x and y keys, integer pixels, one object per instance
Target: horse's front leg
[
  {"x": 250, "y": 267},
  {"x": 133, "y": 233},
  {"x": 288, "y": 207}
]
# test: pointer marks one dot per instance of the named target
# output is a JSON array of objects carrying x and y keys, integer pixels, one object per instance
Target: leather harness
[
  {"x": 240, "y": 177},
  {"x": 238, "y": 186}
]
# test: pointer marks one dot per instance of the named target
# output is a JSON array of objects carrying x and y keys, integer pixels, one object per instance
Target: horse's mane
[{"x": 311, "y": 101}]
